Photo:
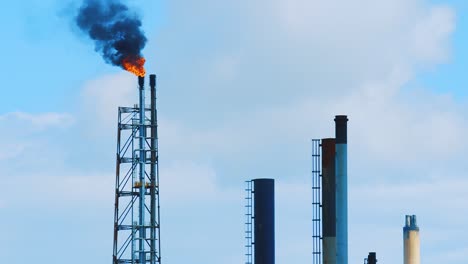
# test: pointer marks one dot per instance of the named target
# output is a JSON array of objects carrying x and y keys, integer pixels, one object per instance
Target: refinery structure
[
  {"x": 116, "y": 31},
  {"x": 330, "y": 196},
  {"x": 136, "y": 217},
  {"x": 137, "y": 204}
]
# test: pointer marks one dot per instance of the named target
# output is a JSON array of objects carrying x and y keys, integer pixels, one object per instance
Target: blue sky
[
  {"x": 450, "y": 77},
  {"x": 243, "y": 87}
]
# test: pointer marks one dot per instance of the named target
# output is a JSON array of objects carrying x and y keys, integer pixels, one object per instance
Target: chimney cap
[
  {"x": 410, "y": 223},
  {"x": 141, "y": 82},
  {"x": 341, "y": 118},
  {"x": 341, "y": 130},
  {"x": 152, "y": 80}
]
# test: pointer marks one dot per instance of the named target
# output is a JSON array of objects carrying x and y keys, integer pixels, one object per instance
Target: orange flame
[{"x": 135, "y": 65}]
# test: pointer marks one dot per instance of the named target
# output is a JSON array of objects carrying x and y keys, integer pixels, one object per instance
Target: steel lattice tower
[{"x": 136, "y": 217}]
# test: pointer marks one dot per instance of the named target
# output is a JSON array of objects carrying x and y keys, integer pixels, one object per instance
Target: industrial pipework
[
  {"x": 411, "y": 242},
  {"x": 136, "y": 216},
  {"x": 341, "y": 189}
]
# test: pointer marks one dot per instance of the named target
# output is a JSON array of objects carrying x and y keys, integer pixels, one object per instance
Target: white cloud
[
  {"x": 377, "y": 210},
  {"x": 305, "y": 61},
  {"x": 60, "y": 191},
  {"x": 186, "y": 183},
  {"x": 381, "y": 32},
  {"x": 23, "y": 132},
  {"x": 416, "y": 195},
  {"x": 424, "y": 128},
  {"x": 40, "y": 121},
  {"x": 430, "y": 36},
  {"x": 101, "y": 98},
  {"x": 11, "y": 150}
]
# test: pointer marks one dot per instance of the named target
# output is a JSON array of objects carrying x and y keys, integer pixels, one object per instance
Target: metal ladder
[
  {"x": 317, "y": 256},
  {"x": 248, "y": 223}
]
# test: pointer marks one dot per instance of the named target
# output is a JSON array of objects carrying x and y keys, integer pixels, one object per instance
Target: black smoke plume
[{"x": 116, "y": 30}]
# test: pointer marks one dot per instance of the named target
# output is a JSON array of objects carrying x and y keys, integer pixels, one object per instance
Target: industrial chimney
[
  {"x": 341, "y": 174},
  {"x": 328, "y": 201},
  {"x": 264, "y": 222},
  {"x": 411, "y": 242},
  {"x": 371, "y": 258}
]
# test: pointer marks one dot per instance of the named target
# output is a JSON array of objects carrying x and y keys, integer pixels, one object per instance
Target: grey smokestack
[
  {"x": 341, "y": 177},
  {"x": 116, "y": 30}
]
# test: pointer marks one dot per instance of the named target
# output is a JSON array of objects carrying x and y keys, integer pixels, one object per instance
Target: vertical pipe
[
  {"x": 153, "y": 169},
  {"x": 328, "y": 201},
  {"x": 142, "y": 157},
  {"x": 158, "y": 231},
  {"x": 411, "y": 242},
  {"x": 341, "y": 189},
  {"x": 264, "y": 221},
  {"x": 157, "y": 185},
  {"x": 372, "y": 258},
  {"x": 117, "y": 181}
]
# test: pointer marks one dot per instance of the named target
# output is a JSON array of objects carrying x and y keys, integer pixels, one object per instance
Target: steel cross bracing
[
  {"x": 248, "y": 223},
  {"x": 317, "y": 256},
  {"x": 136, "y": 217}
]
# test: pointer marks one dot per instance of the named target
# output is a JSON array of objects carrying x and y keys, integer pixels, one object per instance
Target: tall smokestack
[
  {"x": 341, "y": 189},
  {"x": 141, "y": 172},
  {"x": 411, "y": 242},
  {"x": 328, "y": 201},
  {"x": 264, "y": 221},
  {"x": 154, "y": 190}
]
